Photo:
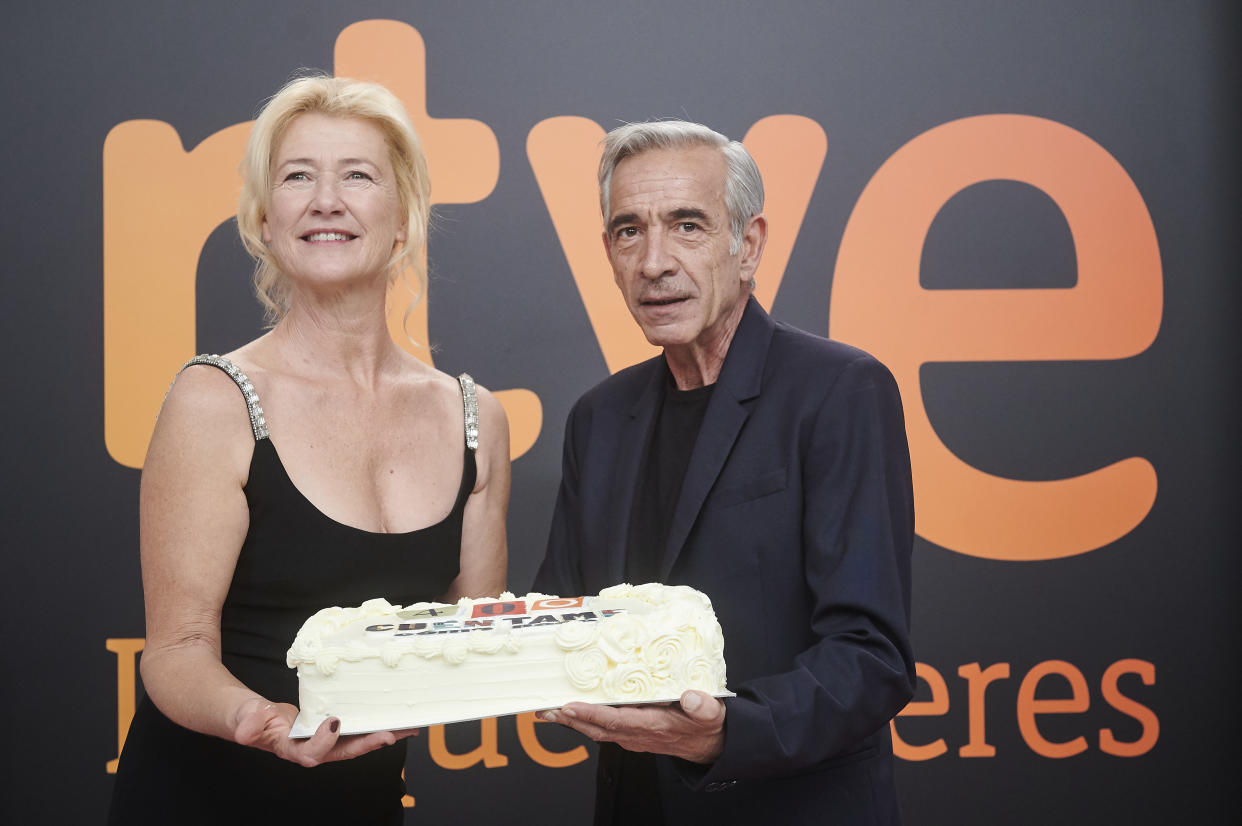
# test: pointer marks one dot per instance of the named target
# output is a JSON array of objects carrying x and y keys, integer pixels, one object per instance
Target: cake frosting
[{"x": 378, "y": 666}]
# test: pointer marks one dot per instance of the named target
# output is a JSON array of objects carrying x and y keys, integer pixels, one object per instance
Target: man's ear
[{"x": 754, "y": 239}]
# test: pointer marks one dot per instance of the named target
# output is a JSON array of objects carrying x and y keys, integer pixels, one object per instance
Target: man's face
[{"x": 668, "y": 242}]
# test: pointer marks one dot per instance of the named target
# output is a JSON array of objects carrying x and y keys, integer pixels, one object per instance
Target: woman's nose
[{"x": 326, "y": 197}]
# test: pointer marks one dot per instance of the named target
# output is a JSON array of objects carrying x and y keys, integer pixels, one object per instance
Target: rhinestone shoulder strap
[
  {"x": 258, "y": 423},
  {"x": 470, "y": 400}
]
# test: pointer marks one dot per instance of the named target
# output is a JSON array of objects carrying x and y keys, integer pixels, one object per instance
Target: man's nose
[{"x": 657, "y": 260}]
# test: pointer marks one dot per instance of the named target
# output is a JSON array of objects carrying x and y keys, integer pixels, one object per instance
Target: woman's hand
[{"x": 266, "y": 726}]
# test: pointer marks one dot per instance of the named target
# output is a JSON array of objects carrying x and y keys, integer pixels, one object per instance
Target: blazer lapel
[
  {"x": 633, "y": 435},
  {"x": 739, "y": 383}
]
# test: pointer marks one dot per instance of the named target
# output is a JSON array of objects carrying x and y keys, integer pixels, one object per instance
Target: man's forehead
[{"x": 689, "y": 176}]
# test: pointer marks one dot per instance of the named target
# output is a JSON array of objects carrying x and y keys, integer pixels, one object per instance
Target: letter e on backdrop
[{"x": 1113, "y": 312}]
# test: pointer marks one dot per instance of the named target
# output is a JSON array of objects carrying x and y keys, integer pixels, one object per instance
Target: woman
[{"x": 344, "y": 470}]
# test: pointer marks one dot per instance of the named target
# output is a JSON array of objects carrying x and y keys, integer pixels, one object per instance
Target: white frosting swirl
[
  {"x": 586, "y": 668},
  {"x": 702, "y": 673},
  {"x": 622, "y": 636},
  {"x": 456, "y": 649},
  {"x": 425, "y": 647},
  {"x": 304, "y": 649},
  {"x": 488, "y": 640},
  {"x": 391, "y": 653},
  {"x": 665, "y": 654},
  {"x": 575, "y": 634},
  {"x": 629, "y": 681}
]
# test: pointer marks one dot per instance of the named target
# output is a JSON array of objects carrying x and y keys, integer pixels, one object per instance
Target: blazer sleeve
[{"x": 858, "y": 533}]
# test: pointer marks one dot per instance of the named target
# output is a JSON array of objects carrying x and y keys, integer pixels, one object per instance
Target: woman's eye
[
  {"x": 296, "y": 176},
  {"x": 358, "y": 176}
]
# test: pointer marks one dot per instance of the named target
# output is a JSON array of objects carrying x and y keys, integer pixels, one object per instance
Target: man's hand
[{"x": 692, "y": 730}]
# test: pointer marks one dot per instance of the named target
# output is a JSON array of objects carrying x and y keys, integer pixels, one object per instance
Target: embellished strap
[
  {"x": 470, "y": 401},
  {"x": 258, "y": 423}
]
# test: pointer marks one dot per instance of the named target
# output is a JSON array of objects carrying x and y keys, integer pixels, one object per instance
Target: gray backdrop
[{"x": 1150, "y": 82}]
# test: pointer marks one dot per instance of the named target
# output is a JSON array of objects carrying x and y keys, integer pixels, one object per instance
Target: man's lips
[{"x": 662, "y": 301}]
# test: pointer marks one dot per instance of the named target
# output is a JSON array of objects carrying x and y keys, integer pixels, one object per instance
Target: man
[{"x": 762, "y": 465}]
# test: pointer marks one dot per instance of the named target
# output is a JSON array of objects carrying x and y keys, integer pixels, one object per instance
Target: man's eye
[
  {"x": 627, "y": 232},
  {"x": 688, "y": 226}
]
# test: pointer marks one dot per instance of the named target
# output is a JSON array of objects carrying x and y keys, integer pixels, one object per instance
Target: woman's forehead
[{"x": 316, "y": 135}]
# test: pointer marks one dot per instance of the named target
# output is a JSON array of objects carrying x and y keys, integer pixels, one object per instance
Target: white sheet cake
[{"x": 379, "y": 666}]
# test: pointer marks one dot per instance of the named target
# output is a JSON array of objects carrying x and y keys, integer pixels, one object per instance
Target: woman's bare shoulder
[{"x": 204, "y": 408}]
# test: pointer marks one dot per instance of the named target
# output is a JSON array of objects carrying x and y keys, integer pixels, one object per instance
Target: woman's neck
[{"x": 337, "y": 337}]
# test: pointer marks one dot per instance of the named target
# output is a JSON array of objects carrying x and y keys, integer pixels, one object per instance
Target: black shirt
[{"x": 673, "y": 434}]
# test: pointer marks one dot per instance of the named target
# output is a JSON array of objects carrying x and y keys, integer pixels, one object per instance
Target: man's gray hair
[{"x": 743, "y": 184}]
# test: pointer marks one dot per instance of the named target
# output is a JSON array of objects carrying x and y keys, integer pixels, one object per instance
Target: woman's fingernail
[{"x": 334, "y": 726}]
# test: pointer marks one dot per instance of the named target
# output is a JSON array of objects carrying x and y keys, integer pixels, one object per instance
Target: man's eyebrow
[
  {"x": 621, "y": 220},
  {"x": 688, "y": 213}
]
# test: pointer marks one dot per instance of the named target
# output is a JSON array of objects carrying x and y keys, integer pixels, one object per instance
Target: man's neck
[{"x": 699, "y": 363}]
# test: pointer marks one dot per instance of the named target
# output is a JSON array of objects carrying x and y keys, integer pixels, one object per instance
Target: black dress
[{"x": 294, "y": 561}]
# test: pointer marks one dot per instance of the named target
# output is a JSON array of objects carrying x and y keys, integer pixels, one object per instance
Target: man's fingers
[{"x": 701, "y": 707}]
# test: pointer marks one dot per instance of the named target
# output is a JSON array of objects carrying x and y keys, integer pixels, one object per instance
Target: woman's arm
[{"x": 193, "y": 520}]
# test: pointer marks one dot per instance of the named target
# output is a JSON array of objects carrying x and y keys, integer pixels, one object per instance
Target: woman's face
[{"x": 334, "y": 217}]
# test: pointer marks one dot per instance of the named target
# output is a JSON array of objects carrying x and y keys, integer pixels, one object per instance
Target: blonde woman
[{"x": 317, "y": 465}]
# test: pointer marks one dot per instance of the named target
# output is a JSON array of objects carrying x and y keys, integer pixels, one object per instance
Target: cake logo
[
  {"x": 515, "y": 618},
  {"x": 496, "y": 609},
  {"x": 557, "y": 603}
]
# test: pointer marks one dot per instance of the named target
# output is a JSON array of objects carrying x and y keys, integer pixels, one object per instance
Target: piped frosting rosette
[
  {"x": 586, "y": 668},
  {"x": 666, "y": 640}
]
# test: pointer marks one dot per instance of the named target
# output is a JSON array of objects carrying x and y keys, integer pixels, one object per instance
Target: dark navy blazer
[{"x": 796, "y": 518}]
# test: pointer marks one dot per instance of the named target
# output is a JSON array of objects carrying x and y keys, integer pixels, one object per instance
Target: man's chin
[
  {"x": 664, "y": 325},
  {"x": 664, "y": 335}
]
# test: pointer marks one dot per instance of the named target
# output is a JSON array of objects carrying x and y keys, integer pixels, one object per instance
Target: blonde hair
[{"x": 344, "y": 98}]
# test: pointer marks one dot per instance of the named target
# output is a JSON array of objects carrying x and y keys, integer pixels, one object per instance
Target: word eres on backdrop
[{"x": 1059, "y": 677}]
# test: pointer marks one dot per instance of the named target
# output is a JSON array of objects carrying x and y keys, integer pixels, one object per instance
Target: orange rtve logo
[{"x": 1114, "y": 311}]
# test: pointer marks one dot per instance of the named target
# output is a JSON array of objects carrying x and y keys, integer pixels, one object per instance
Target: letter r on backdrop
[{"x": 161, "y": 203}]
